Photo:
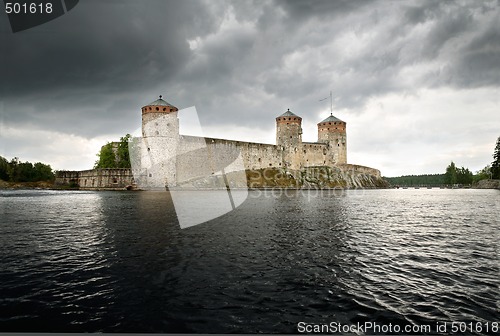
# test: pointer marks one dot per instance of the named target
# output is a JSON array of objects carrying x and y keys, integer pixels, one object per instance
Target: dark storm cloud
[
  {"x": 478, "y": 63},
  {"x": 220, "y": 60},
  {"x": 416, "y": 15},
  {"x": 466, "y": 39},
  {"x": 80, "y": 63},
  {"x": 461, "y": 38},
  {"x": 305, "y": 9},
  {"x": 289, "y": 52},
  {"x": 103, "y": 60},
  {"x": 88, "y": 47}
]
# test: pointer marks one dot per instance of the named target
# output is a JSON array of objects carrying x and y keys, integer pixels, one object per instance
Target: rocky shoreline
[
  {"x": 27, "y": 185},
  {"x": 487, "y": 184},
  {"x": 269, "y": 178},
  {"x": 307, "y": 178}
]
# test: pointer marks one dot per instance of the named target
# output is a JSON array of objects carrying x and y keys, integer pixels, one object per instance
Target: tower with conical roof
[
  {"x": 332, "y": 131},
  {"x": 160, "y": 134},
  {"x": 289, "y": 138},
  {"x": 156, "y": 113}
]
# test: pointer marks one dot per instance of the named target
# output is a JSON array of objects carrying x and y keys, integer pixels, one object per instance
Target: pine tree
[
  {"x": 495, "y": 165},
  {"x": 450, "y": 177}
]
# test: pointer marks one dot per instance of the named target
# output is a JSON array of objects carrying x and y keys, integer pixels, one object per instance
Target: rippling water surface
[{"x": 118, "y": 261}]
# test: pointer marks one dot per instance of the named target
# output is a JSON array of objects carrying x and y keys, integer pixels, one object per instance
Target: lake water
[{"x": 119, "y": 262}]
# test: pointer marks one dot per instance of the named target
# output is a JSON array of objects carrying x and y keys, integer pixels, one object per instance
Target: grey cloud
[
  {"x": 76, "y": 65},
  {"x": 422, "y": 12},
  {"x": 464, "y": 38},
  {"x": 305, "y": 9},
  {"x": 220, "y": 59},
  {"x": 449, "y": 27},
  {"x": 90, "y": 52},
  {"x": 232, "y": 63},
  {"x": 103, "y": 60},
  {"x": 478, "y": 63}
]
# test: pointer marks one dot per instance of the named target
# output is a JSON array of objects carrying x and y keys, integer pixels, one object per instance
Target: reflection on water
[{"x": 119, "y": 262}]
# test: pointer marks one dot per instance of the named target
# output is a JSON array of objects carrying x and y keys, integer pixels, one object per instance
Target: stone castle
[{"x": 162, "y": 157}]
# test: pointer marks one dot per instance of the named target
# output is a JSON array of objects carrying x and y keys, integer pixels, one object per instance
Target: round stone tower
[
  {"x": 289, "y": 137},
  {"x": 160, "y": 132},
  {"x": 333, "y": 132},
  {"x": 160, "y": 113},
  {"x": 288, "y": 129}
]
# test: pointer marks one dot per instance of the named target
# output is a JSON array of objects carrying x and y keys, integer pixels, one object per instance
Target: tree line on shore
[
  {"x": 112, "y": 155},
  {"x": 17, "y": 171},
  {"x": 453, "y": 174}
]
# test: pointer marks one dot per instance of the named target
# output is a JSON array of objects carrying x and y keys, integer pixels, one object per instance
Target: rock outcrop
[
  {"x": 488, "y": 184},
  {"x": 306, "y": 178}
]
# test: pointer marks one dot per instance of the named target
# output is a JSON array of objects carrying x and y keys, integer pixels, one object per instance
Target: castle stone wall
[
  {"x": 206, "y": 156},
  {"x": 201, "y": 157},
  {"x": 94, "y": 179},
  {"x": 315, "y": 154}
]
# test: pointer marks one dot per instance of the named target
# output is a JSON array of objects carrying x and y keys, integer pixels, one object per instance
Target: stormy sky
[{"x": 418, "y": 82}]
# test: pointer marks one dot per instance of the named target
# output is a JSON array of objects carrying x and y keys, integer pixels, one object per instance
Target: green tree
[
  {"x": 20, "y": 171},
  {"x": 115, "y": 154},
  {"x": 13, "y": 170},
  {"x": 107, "y": 157},
  {"x": 43, "y": 172},
  {"x": 482, "y": 174},
  {"x": 4, "y": 169},
  {"x": 464, "y": 176},
  {"x": 450, "y": 177},
  {"x": 17, "y": 171},
  {"x": 26, "y": 172},
  {"x": 417, "y": 180},
  {"x": 122, "y": 154},
  {"x": 495, "y": 165}
]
